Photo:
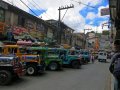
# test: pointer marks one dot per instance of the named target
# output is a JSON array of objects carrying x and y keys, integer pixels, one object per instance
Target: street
[{"x": 90, "y": 77}]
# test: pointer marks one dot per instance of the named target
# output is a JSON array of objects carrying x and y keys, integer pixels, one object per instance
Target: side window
[
  {"x": 105, "y": 54},
  {"x": 12, "y": 50},
  {"x": 101, "y": 53}
]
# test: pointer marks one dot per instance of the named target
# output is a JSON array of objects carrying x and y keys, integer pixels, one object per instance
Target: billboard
[{"x": 105, "y": 11}]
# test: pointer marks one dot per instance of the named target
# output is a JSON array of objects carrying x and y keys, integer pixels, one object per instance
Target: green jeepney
[{"x": 49, "y": 55}]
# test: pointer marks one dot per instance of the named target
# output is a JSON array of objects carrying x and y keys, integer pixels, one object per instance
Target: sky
[{"x": 84, "y": 15}]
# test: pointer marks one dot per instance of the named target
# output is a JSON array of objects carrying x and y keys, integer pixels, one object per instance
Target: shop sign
[{"x": 105, "y": 11}]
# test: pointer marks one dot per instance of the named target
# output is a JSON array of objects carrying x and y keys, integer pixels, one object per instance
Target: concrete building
[
  {"x": 78, "y": 40},
  {"x": 14, "y": 19},
  {"x": 92, "y": 41},
  {"x": 114, "y": 7},
  {"x": 65, "y": 35}
]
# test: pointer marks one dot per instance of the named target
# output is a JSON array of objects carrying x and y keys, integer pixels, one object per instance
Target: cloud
[
  {"x": 95, "y": 2},
  {"x": 91, "y": 15},
  {"x": 72, "y": 18},
  {"x": 18, "y": 4}
]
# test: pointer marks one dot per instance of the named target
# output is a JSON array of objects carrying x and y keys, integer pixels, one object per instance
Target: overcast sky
[{"x": 84, "y": 15}]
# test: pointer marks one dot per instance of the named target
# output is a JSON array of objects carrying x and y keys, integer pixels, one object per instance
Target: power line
[
  {"x": 29, "y": 8},
  {"x": 35, "y": 6},
  {"x": 83, "y": 4},
  {"x": 9, "y": 1},
  {"x": 41, "y": 8}
]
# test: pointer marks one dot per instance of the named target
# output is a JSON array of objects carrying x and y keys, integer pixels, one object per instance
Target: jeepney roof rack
[{"x": 9, "y": 43}]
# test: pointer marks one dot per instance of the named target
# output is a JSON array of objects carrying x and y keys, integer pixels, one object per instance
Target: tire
[
  {"x": 75, "y": 64},
  {"x": 31, "y": 70},
  {"x": 5, "y": 77},
  {"x": 53, "y": 66}
]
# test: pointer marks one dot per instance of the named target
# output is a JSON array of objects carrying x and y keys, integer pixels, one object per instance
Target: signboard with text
[{"x": 105, "y": 11}]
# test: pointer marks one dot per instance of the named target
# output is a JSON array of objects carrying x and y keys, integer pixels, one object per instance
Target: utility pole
[
  {"x": 59, "y": 21},
  {"x": 85, "y": 37}
]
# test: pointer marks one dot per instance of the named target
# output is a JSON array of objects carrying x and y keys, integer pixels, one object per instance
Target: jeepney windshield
[{"x": 12, "y": 50}]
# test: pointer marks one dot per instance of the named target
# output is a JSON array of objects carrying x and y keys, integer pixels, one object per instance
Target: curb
[{"x": 112, "y": 82}]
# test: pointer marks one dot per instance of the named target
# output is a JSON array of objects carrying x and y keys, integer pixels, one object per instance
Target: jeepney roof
[
  {"x": 37, "y": 48},
  {"x": 12, "y": 46}
]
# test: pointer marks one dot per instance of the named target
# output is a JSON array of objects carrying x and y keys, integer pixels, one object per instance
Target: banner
[{"x": 105, "y": 11}]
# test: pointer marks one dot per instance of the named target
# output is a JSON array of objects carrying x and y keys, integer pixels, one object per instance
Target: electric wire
[
  {"x": 40, "y": 8},
  {"x": 29, "y": 8},
  {"x": 78, "y": 19},
  {"x": 83, "y": 4},
  {"x": 9, "y": 1},
  {"x": 35, "y": 6}
]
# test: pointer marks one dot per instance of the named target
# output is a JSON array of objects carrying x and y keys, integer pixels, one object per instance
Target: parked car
[
  {"x": 10, "y": 67},
  {"x": 102, "y": 56}
]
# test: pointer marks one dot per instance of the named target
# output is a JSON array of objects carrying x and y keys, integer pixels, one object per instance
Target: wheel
[
  {"x": 75, "y": 64},
  {"x": 5, "y": 77},
  {"x": 31, "y": 70},
  {"x": 53, "y": 66}
]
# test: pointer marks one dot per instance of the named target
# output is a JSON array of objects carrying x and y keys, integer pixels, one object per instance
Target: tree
[{"x": 105, "y": 32}]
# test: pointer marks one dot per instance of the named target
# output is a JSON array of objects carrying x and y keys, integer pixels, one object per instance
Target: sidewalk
[{"x": 112, "y": 82}]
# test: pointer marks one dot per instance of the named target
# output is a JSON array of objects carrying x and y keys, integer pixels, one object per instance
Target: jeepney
[
  {"x": 32, "y": 62},
  {"x": 49, "y": 55},
  {"x": 10, "y": 67},
  {"x": 70, "y": 58}
]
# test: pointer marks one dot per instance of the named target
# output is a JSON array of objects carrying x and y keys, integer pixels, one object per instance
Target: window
[
  {"x": 12, "y": 50},
  {"x": 101, "y": 53},
  {"x": 2, "y": 15},
  {"x": 21, "y": 21}
]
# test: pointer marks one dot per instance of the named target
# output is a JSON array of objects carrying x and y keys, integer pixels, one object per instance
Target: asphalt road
[{"x": 90, "y": 77}]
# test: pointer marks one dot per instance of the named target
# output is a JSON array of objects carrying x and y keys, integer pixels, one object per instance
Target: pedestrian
[
  {"x": 115, "y": 65},
  {"x": 92, "y": 58}
]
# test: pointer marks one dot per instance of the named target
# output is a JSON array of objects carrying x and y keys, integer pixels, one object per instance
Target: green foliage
[{"x": 106, "y": 32}]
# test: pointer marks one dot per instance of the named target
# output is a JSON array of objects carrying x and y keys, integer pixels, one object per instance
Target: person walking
[
  {"x": 115, "y": 65},
  {"x": 92, "y": 58}
]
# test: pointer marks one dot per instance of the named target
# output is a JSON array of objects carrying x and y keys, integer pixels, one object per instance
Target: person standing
[{"x": 115, "y": 65}]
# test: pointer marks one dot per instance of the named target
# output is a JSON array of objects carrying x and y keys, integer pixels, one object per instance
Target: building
[
  {"x": 92, "y": 41},
  {"x": 22, "y": 24},
  {"x": 114, "y": 6},
  {"x": 78, "y": 40},
  {"x": 65, "y": 34}
]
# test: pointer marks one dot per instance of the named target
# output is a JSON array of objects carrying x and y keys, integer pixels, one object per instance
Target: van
[{"x": 102, "y": 56}]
